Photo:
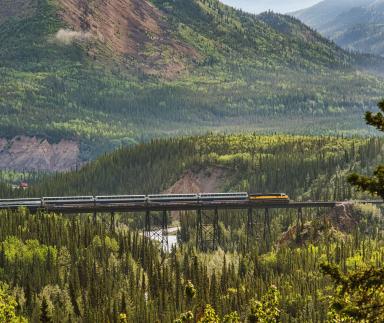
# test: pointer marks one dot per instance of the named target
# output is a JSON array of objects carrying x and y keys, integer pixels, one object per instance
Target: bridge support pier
[
  {"x": 215, "y": 230},
  {"x": 94, "y": 217},
  {"x": 267, "y": 234},
  {"x": 147, "y": 223},
  {"x": 164, "y": 231},
  {"x": 112, "y": 221},
  {"x": 300, "y": 223},
  {"x": 250, "y": 231},
  {"x": 207, "y": 230},
  {"x": 199, "y": 229},
  {"x": 157, "y": 231}
]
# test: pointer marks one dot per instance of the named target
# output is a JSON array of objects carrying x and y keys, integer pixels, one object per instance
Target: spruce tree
[
  {"x": 359, "y": 295},
  {"x": 374, "y": 184},
  {"x": 44, "y": 315}
]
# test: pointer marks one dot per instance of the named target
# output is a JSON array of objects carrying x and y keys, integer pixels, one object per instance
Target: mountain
[
  {"x": 106, "y": 73},
  {"x": 355, "y": 25},
  {"x": 321, "y": 14}
]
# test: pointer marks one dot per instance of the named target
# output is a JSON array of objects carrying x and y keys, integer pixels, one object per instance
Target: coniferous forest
[
  {"x": 74, "y": 268},
  {"x": 133, "y": 85}
]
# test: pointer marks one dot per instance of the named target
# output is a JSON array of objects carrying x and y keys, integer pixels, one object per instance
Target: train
[{"x": 145, "y": 199}]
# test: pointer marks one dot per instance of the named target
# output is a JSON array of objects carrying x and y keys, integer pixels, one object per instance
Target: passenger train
[{"x": 145, "y": 199}]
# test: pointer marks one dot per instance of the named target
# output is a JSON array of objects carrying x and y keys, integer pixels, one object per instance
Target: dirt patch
[
  {"x": 205, "y": 181},
  {"x": 33, "y": 154},
  {"x": 208, "y": 180},
  {"x": 129, "y": 28},
  {"x": 341, "y": 220}
]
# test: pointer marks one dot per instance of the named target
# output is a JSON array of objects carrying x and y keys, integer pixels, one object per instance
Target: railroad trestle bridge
[{"x": 207, "y": 215}]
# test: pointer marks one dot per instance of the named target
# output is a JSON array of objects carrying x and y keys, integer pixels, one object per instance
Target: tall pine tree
[{"x": 374, "y": 184}]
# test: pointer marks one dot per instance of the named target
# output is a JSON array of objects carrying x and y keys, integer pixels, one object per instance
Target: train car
[
  {"x": 223, "y": 196},
  {"x": 120, "y": 199},
  {"x": 158, "y": 198},
  {"x": 269, "y": 198},
  {"x": 27, "y": 202},
  {"x": 68, "y": 200}
]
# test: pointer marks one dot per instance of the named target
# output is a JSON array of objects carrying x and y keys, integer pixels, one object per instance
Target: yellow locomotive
[{"x": 270, "y": 197}]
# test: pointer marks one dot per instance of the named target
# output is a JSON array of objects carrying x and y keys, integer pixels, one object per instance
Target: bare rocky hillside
[{"x": 32, "y": 154}]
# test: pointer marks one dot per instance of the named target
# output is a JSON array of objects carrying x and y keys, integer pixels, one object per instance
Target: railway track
[{"x": 106, "y": 207}]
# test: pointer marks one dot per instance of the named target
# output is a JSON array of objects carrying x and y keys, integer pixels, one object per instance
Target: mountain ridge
[
  {"x": 356, "y": 25},
  {"x": 180, "y": 68},
  {"x": 325, "y": 11}
]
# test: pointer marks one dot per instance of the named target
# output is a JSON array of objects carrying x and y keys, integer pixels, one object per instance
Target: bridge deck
[{"x": 183, "y": 206}]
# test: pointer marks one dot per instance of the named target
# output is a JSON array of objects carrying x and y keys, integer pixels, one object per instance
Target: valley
[
  {"x": 111, "y": 110},
  {"x": 100, "y": 87},
  {"x": 112, "y": 272}
]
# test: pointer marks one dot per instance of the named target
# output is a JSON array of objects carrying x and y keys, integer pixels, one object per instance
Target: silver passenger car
[
  {"x": 29, "y": 202},
  {"x": 68, "y": 200},
  {"x": 223, "y": 196},
  {"x": 120, "y": 199},
  {"x": 173, "y": 198}
]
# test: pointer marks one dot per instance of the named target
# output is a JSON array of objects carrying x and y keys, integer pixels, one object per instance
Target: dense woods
[
  {"x": 304, "y": 167},
  {"x": 89, "y": 272},
  {"x": 252, "y": 72},
  {"x": 76, "y": 270},
  {"x": 262, "y": 73}
]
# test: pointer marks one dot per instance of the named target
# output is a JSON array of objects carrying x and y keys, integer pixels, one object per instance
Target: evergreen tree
[
  {"x": 266, "y": 310},
  {"x": 7, "y": 307},
  {"x": 374, "y": 184},
  {"x": 359, "y": 295},
  {"x": 44, "y": 315}
]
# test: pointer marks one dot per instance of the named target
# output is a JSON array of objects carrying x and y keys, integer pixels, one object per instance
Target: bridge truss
[{"x": 207, "y": 216}]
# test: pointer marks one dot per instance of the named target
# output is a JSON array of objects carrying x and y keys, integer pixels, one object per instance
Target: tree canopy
[{"x": 374, "y": 184}]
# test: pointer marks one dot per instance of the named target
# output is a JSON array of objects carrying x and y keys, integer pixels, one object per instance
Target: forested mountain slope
[
  {"x": 105, "y": 73},
  {"x": 356, "y": 25},
  {"x": 304, "y": 167}
]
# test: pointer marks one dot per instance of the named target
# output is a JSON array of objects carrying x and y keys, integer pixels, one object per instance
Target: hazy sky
[{"x": 281, "y": 6}]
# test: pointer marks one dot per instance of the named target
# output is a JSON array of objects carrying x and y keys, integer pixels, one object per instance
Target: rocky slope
[
  {"x": 107, "y": 73},
  {"x": 33, "y": 154},
  {"x": 207, "y": 180},
  {"x": 128, "y": 29}
]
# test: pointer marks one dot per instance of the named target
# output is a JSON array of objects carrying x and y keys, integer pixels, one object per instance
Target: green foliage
[
  {"x": 8, "y": 307},
  {"x": 266, "y": 310},
  {"x": 93, "y": 272},
  {"x": 231, "y": 318},
  {"x": 209, "y": 315},
  {"x": 375, "y": 184},
  {"x": 87, "y": 272},
  {"x": 16, "y": 250},
  {"x": 359, "y": 295},
  {"x": 305, "y": 167},
  {"x": 185, "y": 317},
  {"x": 123, "y": 318},
  {"x": 376, "y": 119},
  {"x": 44, "y": 315},
  {"x": 190, "y": 291},
  {"x": 252, "y": 72}
]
